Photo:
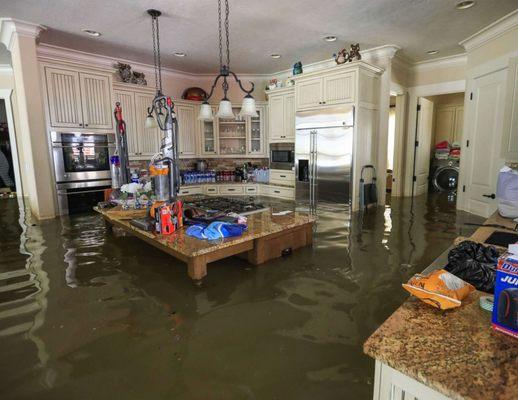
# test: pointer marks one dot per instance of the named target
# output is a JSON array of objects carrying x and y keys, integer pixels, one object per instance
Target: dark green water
[{"x": 88, "y": 315}]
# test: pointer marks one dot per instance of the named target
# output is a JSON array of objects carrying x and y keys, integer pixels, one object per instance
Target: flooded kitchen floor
[{"x": 87, "y": 315}]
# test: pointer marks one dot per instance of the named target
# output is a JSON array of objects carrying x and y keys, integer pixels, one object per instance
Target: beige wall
[
  {"x": 453, "y": 99},
  {"x": 428, "y": 76}
]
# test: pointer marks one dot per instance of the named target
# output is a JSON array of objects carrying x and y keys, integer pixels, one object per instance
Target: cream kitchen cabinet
[
  {"x": 325, "y": 89},
  {"x": 208, "y": 135},
  {"x": 78, "y": 99},
  {"x": 449, "y": 123},
  {"x": 143, "y": 142},
  {"x": 187, "y": 130},
  {"x": 510, "y": 133},
  {"x": 281, "y": 116}
]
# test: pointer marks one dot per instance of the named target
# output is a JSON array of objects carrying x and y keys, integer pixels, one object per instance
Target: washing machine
[{"x": 444, "y": 175}]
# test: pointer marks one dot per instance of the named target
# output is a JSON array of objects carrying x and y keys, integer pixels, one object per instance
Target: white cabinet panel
[
  {"x": 231, "y": 189},
  {"x": 257, "y": 135},
  {"x": 308, "y": 93},
  {"x": 187, "y": 130},
  {"x": 64, "y": 98},
  {"x": 289, "y": 117},
  {"x": 211, "y": 190},
  {"x": 209, "y": 136},
  {"x": 282, "y": 177},
  {"x": 276, "y": 117},
  {"x": 444, "y": 124},
  {"x": 510, "y": 139},
  {"x": 148, "y": 138},
  {"x": 127, "y": 102},
  {"x": 96, "y": 101},
  {"x": 339, "y": 88},
  {"x": 190, "y": 190},
  {"x": 459, "y": 124}
]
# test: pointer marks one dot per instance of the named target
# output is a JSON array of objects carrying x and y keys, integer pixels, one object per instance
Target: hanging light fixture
[
  {"x": 161, "y": 111},
  {"x": 248, "y": 107}
]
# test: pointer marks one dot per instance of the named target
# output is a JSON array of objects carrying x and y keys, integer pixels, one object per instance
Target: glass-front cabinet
[
  {"x": 239, "y": 137},
  {"x": 209, "y": 136}
]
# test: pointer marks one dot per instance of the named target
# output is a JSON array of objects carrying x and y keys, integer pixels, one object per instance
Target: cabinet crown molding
[
  {"x": 10, "y": 28},
  {"x": 491, "y": 32}
]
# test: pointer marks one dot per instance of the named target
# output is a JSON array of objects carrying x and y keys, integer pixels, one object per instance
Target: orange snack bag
[{"x": 439, "y": 289}]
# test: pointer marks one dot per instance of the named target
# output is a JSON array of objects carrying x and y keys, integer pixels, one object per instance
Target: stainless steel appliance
[
  {"x": 282, "y": 156},
  {"x": 324, "y": 156},
  {"x": 81, "y": 168},
  {"x": 80, "y": 156}
]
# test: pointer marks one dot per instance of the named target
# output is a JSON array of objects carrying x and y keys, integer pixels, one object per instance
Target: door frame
[
  {"x": 398, "y": 171},
  {"x": 5, "y": 94},
  {"x": 413, "y": 97}
]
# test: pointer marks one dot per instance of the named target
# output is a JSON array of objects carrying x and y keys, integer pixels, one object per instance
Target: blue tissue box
[{"x": 505, "y": 310}]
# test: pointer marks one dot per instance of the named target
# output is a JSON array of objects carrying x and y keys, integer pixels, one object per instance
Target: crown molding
[
  {"x": 9, "y": 27},
  {"x": 491, "y": 32},
  {"x": 51, "y": 53}
]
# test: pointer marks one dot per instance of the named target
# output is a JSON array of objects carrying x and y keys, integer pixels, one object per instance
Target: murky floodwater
[{"x": 88, "y": 315}]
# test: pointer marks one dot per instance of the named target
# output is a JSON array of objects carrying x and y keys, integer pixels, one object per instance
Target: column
[{"x": 20, "y": 39}]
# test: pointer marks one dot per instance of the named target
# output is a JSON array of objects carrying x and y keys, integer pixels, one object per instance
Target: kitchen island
[
  {"x": 267, "y": 237},
  {"x": 425, "y": 353}
]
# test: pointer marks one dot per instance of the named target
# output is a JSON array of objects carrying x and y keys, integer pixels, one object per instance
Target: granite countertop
[
  {"x": 455, "y": 352},
  {"x": 259, "y": 225}
]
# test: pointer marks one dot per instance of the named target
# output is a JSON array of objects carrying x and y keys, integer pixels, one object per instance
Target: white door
[
  {"x": 187, "y": 130},
  {"x": 289, "y": 117},
  {"x": 64, "y": 98},
  {"x": 127, "y": 101},
  {"x": 422, "y": 151},
  {"x": 276, "y": 117},
  {"x": 339, "y": 88},
  {"x": 480, "y": 154},
  {"x": 96, "y": 101},
  {"x": 308, "y": 93},
  {"x": 148, "y": 138}
]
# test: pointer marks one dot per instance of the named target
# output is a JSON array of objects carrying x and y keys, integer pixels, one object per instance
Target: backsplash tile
[{"x": 213, "y": 163}]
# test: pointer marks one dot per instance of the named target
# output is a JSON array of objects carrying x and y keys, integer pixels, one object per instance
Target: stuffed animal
[
  {"x": 125, "y": 72},
  {"x": 355, "y": 52},
  {"x": 139, "y": 78},
  {"x": 342, "y": 56}
]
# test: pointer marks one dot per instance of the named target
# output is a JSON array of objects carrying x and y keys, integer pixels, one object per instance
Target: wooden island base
[{"x": 266, "y": 239}]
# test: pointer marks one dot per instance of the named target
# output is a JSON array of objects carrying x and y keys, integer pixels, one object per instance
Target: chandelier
[
  {"x": 162, "y": 106},
  {"x": 225, "y": 107}
]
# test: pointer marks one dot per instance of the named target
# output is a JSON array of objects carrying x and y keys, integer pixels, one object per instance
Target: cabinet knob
[
  {"x": 80, "y": 124},
  {"x": 86, "y": 124}
]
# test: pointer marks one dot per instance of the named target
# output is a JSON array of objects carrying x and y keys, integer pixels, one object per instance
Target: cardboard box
[{"x": 505, "y": 310}]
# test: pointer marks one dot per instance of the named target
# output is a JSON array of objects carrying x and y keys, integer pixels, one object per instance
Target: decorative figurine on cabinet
[
  {"x": 297, "y": 68},
  {"x": 342, "y": 57},
  {"x": 355, "y": 52}
]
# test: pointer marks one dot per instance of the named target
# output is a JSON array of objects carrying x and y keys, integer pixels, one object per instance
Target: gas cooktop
[{"x": 227, "y": 205}]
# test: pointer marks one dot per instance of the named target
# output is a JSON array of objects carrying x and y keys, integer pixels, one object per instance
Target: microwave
[{"x": 282, "y": 156}]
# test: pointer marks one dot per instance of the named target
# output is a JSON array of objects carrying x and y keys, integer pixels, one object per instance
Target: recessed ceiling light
[
  {"x": 275, "y": 55},
  {"x": 431, "y": 52},
  {"x": 463, "y": 5},
  {"x": 91, "y": 32},
  {"x": 179, "y": 54},
  {"x": 330, "y": 38}
]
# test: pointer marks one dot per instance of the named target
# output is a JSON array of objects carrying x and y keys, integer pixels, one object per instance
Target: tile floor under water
[{"x": 85, "y": 314}]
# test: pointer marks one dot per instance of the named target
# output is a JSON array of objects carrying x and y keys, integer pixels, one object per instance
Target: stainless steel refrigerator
[{"x": 324, "y": 156}]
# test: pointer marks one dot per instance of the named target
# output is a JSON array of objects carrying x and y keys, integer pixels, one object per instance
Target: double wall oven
[{"x": 81, "y": 168}]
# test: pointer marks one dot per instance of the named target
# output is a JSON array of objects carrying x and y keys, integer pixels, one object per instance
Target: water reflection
[{"x": 81, "y": 307}]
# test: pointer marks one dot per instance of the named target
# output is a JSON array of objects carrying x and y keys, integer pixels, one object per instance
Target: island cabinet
[
  {"x": 281, "y": 115},
  {"x": 78, "y": 99}
]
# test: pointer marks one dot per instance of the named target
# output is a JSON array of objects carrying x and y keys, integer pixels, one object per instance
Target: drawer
[
  {"x": 264, "y": 190},
  {"x": 250, "y": 189},
  {"x": 282, "y": 192},
  {"x": 211, "y": 190},
  {"x": 189, "y": 190},
  {"x": 282, "y": 177},
  {"x": 231, "y": 189}
]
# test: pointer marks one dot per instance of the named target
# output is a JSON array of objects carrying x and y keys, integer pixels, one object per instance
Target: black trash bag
[{"x": 474, "y": 263}]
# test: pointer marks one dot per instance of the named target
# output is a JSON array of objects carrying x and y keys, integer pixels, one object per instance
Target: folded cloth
[
  {"x": 455, "y": 145},
  {"x": 442, "y": 150},
  {"x": 442, "y": 145},
  {"x": 216, "y": 230}
]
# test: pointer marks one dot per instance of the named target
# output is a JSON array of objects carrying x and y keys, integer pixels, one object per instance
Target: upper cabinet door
[
  {"x": 148, "y": 139},
  {"x": 308, "y": 93},
  {"x": 187, "y": 130},
  {"x": 289, "y": 117},
  {"x": 64, "y": 98},
  {"x": 339, "y": 88},
  {"x": 276, "y": 117},
  {"x": 209, "y": 135},
  {"x": 96, "y": 101},
  {"x": 459, "y": 124},
  {"x": 127, "y": 101},
  {"x": 444, "y": 124},
  {"x": 257, "y": 133}
]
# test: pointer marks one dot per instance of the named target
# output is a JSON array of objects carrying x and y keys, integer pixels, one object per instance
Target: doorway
[
  {"x": 438, "y": 135},
  {"x": 7, "y": 166}
]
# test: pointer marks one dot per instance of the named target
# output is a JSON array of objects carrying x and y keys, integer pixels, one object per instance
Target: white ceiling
[{"x": 293, "y": 28}]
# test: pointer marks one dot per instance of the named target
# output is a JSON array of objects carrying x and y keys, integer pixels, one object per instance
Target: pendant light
[{"x": 248, "y": 107}]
